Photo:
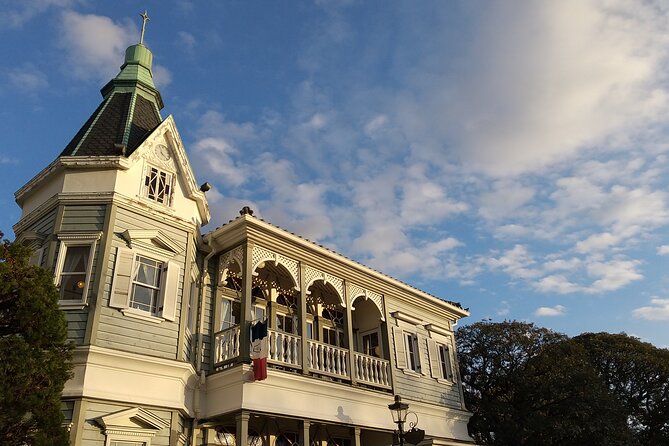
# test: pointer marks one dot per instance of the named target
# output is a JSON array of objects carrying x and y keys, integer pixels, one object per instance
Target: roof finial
[{"x": 145, "y": 18}]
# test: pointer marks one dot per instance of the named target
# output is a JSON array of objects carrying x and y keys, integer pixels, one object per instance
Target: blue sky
[{"x": 510, "y": 155}]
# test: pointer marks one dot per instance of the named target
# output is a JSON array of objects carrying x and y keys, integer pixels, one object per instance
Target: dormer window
[{"x": 158, "y": 185}]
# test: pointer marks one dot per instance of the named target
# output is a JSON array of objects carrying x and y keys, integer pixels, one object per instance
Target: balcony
[{"x": 323, "y": 359}]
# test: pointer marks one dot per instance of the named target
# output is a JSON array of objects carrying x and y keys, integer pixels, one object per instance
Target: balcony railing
[
  {"x": 226, "y": 345},
  {"x": 372, "y": 370},
  {"x": 285, "y": 349},
  {"x": 328, "y": 359}
]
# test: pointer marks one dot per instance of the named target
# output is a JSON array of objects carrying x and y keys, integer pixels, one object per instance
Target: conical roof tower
[{"x": 129, "y": 111}]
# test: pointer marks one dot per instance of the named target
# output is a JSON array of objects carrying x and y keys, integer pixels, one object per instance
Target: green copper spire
[
  {"x": 136, "y": 74},
  {"x": 129, "y": 112}
]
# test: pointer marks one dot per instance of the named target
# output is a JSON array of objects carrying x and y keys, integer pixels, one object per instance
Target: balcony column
[
  {"x": 304, "y": 434},
  {"x": 348, "y": 322},
  {"x": 356, "y": 437},
  {"x": 242, "y": 429},
  {"x": 303, "y": 321},
  {"x": 246, "y": 306}
]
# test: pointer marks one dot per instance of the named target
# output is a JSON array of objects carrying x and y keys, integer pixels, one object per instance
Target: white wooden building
[{"x": 160, "y": 313}]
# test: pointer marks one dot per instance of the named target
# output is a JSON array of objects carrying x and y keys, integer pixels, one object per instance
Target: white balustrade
[
  {"x": 328, "y": 359},
  {"x": 226, "y": 344},
  {"x": 284, "y": 348},
  {"x": 371, "y": 370}
]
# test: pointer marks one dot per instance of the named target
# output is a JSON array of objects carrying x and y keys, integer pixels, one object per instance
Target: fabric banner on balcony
[{"x": 259, "y": 349}]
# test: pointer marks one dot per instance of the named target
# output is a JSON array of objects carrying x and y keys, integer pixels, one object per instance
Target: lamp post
[{"x": 399, "y": 412}]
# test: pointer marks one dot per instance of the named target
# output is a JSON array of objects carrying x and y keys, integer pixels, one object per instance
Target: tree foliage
[
  {"x": 34, "y": 350},
  {"x": 637, "y": 374},
  {"x": 528, "y": 385}
]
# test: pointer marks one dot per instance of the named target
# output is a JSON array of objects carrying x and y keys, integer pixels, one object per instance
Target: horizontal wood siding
[
  {"x": 121, "y": 332},
  {"x": 83, "y": 218},
  {"x": 44, "y": 226},
  {"x": 416, "y": 386},
  {"x": 76, "y": 325},
  {"x": 93, "y": 434}
]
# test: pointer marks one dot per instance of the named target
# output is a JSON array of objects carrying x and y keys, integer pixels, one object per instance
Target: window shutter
[
  {"x": 122, "y": 278},
  {"x": 421, "y": 342},
  {"x": 400, "y": 352},
  {"x": 435, "y": 361},
  {"x": 170, "y": 289}
]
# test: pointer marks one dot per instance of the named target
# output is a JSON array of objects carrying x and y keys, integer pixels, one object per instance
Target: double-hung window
[
  {"x": 74, "y": 266},
  {"x": 146, "y": 283},
  {"x": 445, "y": 362},
  {"x": 412, "y": 352}
]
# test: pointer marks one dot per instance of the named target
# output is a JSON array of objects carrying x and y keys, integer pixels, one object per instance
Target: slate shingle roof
[{"x": 106, "y": 128}]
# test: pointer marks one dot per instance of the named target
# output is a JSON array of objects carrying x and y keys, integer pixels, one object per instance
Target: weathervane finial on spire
[{"x": 145, "y": 18}]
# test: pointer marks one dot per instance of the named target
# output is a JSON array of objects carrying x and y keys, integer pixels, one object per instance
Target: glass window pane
[
  {"x": 72, "y": 286},
  {"x": 76, "y": 258}
]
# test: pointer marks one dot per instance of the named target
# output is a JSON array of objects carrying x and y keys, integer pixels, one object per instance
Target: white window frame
[
  {"x": 171, "y": 179},
  {"x": 121, "y": 291},
  {"x": 445, "y": 362},
  {"x": 161, "y": 266},
  {"x": 68, "y": 240},
  {"x": 441, "y": 337},
  {"x": 407, "y": 331},
  {"x": 367, "y": 333},
  {"x": 412, "y": 349}
]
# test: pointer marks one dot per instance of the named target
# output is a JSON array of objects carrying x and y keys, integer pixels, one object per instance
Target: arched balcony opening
[
  {"x": 367, "y": 328},
  {"x": 326, "y": 315},
  {"x": 370, "y": 357}
]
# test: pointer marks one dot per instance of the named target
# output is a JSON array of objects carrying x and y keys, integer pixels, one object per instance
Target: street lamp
[{"x": 399, "y": 411}]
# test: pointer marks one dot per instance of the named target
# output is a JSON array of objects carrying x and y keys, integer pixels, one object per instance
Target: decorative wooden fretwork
[
  {"x": 354, "y": 291},
  {"x": 312, "y": 274},
  {"x": 261, "y": 254},
  {"x": 234, "y": 255}
]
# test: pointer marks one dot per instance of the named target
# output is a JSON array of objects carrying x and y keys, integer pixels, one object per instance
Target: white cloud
[
  {"x": 539, "y": 84},
  {"x": 612, "y": 275},
  {"x": 186, "y": 40},
  {"x": 161, "y": 76},
  {"x": 504, "y": 200},
  {"x": 597, "y": 242},
  {"x": 28, "y": 79},
  {"x": 658, "y": 310},
  {"x": 95, "y": 44},
  {"x": 556, "y": 283},
  {"x": 557, "y": 310},
  {"x": 516, "y": 262},
  {"x": 375, "y": 124},
  {"x": 20, "y": 12},
  {"x": 663, "y": 250}
]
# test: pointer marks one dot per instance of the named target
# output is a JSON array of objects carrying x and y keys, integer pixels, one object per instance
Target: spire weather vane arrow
[{"x": 145, "y": 18}]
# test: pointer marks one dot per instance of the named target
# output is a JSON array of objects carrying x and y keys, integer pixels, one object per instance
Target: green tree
[
  {"x": 637, "y": 374},
  {"x": 34, "y": 350},
  {"x": 528, "y": 385}
]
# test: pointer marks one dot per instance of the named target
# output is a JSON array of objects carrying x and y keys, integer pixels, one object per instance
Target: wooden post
[{"x": 242, "y": 429}]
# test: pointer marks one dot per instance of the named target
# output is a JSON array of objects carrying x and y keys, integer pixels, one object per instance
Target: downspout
[{"x": 204, "y": 274}]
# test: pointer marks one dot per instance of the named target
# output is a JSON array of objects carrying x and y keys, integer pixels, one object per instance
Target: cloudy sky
[{"x": 512, "y": 156}]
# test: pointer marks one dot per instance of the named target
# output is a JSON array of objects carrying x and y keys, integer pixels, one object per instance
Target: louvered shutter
[
  {"x": 400, "y": 352},
  {"x": 170, "y": 289},
  {"x": 122, "y": 279},
  {"x": 435, "y": 361}
]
